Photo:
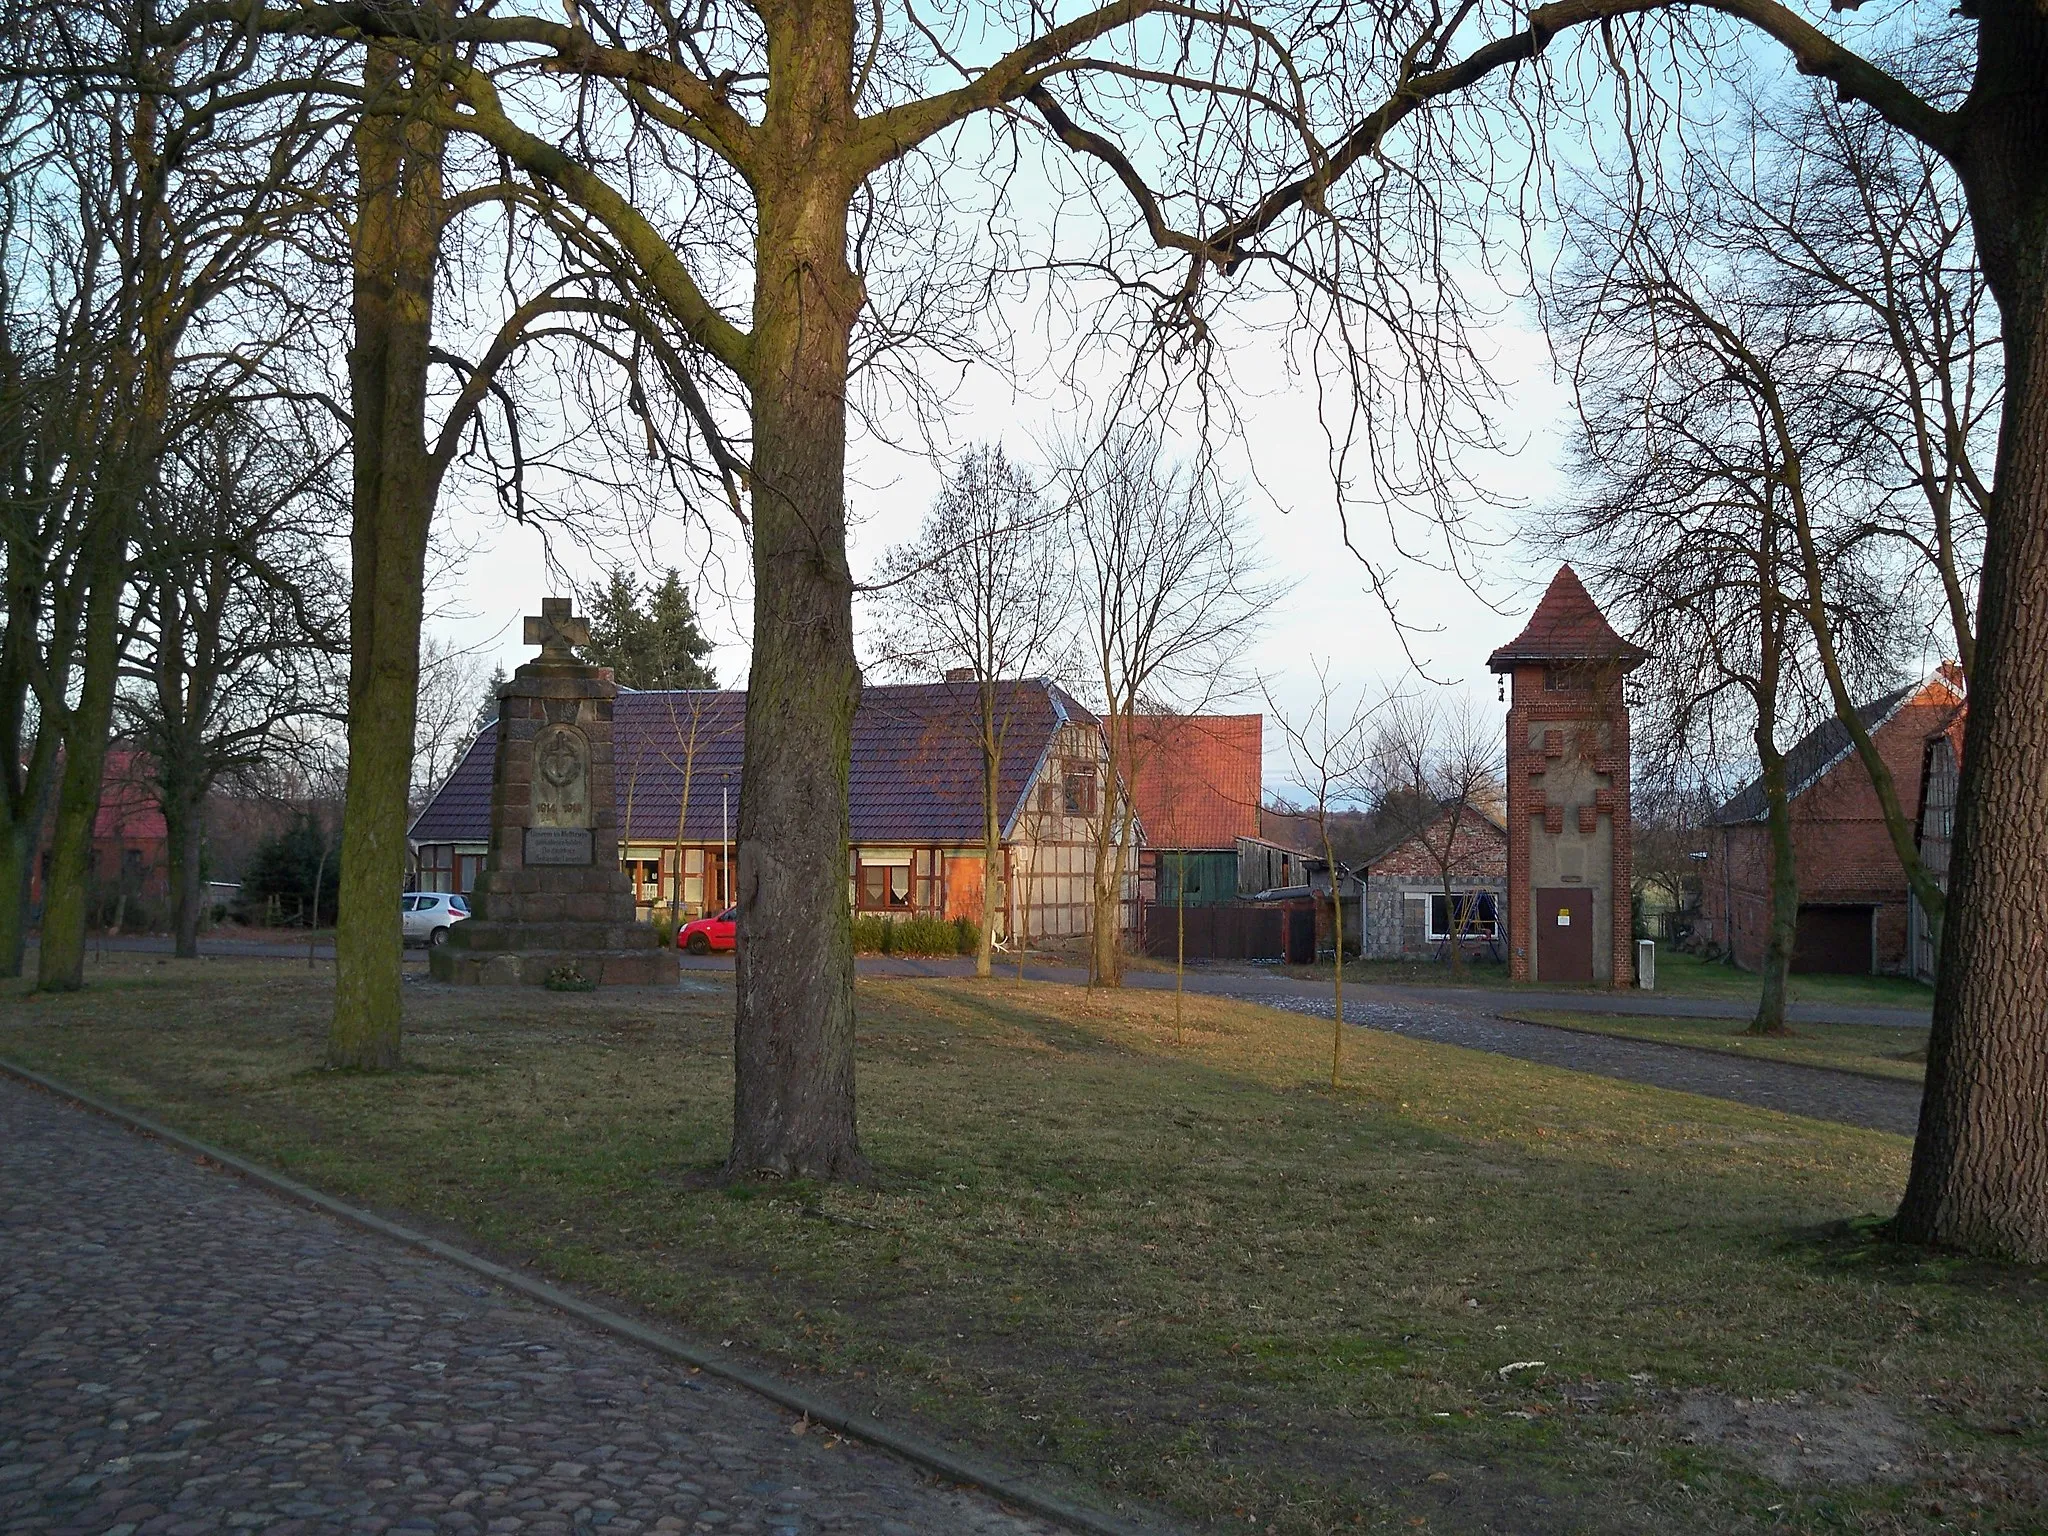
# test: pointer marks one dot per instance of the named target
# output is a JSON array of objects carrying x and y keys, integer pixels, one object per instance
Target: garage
[{"x": 1834, "y": 941}]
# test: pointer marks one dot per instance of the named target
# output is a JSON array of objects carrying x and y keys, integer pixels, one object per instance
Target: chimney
[{"x": 960, "y": 675}]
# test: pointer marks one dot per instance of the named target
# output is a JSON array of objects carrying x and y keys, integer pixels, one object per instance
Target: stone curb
[{"x": 1005, "y": 1486}]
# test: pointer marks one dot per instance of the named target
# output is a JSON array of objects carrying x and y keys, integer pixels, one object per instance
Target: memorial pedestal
[{"x": 552, "y": 895}]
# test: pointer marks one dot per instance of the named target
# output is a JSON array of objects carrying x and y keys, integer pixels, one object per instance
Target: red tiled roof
[
  {"x": 1566, "y": 626},
  {"x": 915, "y": 775},
  {"x": 1195, "y": 778}
]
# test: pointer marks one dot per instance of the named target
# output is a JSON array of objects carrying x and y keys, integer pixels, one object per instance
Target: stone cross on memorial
[
  {"x": 552, "y": 900},
  {"x": 555, "y": 631}
]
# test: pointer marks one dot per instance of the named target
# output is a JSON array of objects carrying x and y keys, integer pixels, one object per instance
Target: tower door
[{"x": 1564, "y": 935}]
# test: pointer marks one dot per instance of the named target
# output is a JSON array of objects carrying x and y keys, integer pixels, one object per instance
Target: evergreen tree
[
  {"x": 649, "y": 640},
  {"x": 288, "y": 865},
  {"x": 487, "y": 707}
]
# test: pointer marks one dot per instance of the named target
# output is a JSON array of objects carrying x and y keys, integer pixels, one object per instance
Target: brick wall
[
  {"x": 1568, "y": 777},
  {"x": 1843, "y": 849}
]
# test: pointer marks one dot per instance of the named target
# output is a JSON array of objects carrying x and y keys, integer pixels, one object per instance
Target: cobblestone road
[
  {"x": 1876, "y": 1104},
  {"x": 180, "y": 1352}
]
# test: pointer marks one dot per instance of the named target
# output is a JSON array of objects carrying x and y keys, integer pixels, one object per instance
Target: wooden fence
[{"x": 1219, "y": 933}]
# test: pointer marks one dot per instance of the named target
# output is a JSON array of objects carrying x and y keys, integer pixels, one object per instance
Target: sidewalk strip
[{"x": 1010, "y": 1488}]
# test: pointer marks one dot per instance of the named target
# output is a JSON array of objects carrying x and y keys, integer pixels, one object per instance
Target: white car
[{"x": 430, "y": 914}]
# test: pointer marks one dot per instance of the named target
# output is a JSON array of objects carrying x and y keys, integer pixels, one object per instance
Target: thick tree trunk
[
  {"x": 397, "y": 237},
  {"x": 18, "y": 846},
  {"x": 1784, "y": 916},
  {"x": 21, "y": 832},
  {"x": 1980, "y": 1164},
  {"x": 1784, "y": 919},
  {"x": 1105, "y": 950},
  {"x": 184, "y": 848},
  {"x": 25, "y": 776},
  {"x": 793, "y": 1089},
  {"x": 67, "y": 891}
]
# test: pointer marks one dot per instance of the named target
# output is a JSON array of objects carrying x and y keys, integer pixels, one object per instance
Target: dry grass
[
  {"x": 1191, "y": 1277},
  {"x": 1877, "y": 1050}
]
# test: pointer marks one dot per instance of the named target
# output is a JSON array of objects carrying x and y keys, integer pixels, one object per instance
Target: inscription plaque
[{"x": 558, "y": 845}]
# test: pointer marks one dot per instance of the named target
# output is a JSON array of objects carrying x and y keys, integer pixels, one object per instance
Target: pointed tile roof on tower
[{"x": 1566, "y": 626}]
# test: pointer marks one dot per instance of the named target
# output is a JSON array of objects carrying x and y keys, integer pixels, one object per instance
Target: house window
[
  {"x": 883, "y": 880},
  {"x": 467, "y": 867},
  {"x": 928, "y": 881},
  {"x": 1077, "y": 789},
  {"x": 437, "y": 867},
  {"x": 1470, "y": 914}
]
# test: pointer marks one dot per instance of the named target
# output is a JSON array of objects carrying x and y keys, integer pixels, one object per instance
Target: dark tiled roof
[
  {"x": 1812, "y": 756},
  {"x": 1195, "y": 778},
  {"x": 915, "y": 776},
  {"x": 1566, "y": 626}
]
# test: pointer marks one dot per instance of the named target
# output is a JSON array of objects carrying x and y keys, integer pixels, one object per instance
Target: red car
[{"x": 718, "y": 931}]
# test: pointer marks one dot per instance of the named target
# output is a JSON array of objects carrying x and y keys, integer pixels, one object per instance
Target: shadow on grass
[{"x": 1865, "y": 1246}]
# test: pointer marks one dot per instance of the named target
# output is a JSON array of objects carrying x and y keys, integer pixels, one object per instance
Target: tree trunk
[
  {"x": 1337, "y": 949},
  {"x": 1777, "y": 961},
  {"x": 1105, "y": 957},
  {"x": 1980, "y": 1164},
  {"x": 397, "y": 237},
  {"x": 184, "y": 843},
  {"x": 21, "y": 834},
  {"x": 25, "y": 777},
  {"x": 18, "y": 846},
  {"x": 67, "y": 891},
  {"x": 1784, "y": 929},
  {"x": 793, "y": 1089},
  {"x": 991, "y": 833}
]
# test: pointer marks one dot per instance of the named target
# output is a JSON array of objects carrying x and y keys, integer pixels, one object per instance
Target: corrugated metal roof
[{"x": 915, "y": 774}]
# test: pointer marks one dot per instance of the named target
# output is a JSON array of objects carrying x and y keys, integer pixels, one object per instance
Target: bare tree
[
  {"x": 1337, "y": 158},
  {"x": 985, "y": 590},
  {"x": 446, "y": 722},
  {"x": 1330, "y": 747},
  {"x": 1449, "y": 763},
  {"x": 159, "y": 189},
  {"x": 238, "y": 621},
  {"x": 1686, "y": 522},
  {"x": 1167, "y": 599}
]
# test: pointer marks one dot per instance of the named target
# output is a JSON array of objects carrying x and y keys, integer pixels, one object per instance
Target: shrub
[
  {"x": 665, "y": 925},
  {"x": 873, "y": 935}
]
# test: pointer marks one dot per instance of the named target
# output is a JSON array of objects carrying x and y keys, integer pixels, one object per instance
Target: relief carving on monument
[
  {"x": 561, "y": 777},
  {"x": 558, "y": 830}
]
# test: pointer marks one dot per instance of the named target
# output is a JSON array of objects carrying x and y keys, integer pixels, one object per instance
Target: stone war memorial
[
  {"x": 1570, "y": 854},
  {"x": 552, "y": 902}
]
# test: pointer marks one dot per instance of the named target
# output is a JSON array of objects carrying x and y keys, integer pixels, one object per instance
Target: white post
[{"x": 724, "y": 848}]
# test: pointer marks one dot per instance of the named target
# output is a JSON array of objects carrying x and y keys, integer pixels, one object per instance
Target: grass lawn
[
  {"x": 1678, "y": 975},
  {"x": 1464, "y": 1293},
  {"x": 1877, "y": 1049}
]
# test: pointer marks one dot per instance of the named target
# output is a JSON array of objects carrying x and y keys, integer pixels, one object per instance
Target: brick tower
[{"x": 1569, "y": 856}]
